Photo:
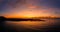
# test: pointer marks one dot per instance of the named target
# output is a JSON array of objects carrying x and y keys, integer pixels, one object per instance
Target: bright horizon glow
[
  {"x": 28, "y": 14},
  {"x": 28, "y": 9}
]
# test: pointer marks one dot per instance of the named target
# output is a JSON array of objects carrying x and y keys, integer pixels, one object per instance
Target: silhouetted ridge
[
  {"x": 2, "y": 23},
  {"x": 2, "y": 18},
  {"x": 15, "y": 19}
]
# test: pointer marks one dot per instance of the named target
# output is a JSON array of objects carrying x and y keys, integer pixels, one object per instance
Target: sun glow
[
  {"x": 28, "y": 16},
  {"x": 29, "y": 13}
]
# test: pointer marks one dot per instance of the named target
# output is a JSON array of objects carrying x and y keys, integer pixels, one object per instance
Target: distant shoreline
[{"x": 26, "y": 19}]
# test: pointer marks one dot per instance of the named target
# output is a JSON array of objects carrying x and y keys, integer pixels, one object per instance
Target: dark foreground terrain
[
  {"x": 12, "y": 28},
  {"x": 22, "y": 29}
]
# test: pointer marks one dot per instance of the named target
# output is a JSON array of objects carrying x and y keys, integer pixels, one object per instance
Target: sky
[{"x": 30, "y": 8}]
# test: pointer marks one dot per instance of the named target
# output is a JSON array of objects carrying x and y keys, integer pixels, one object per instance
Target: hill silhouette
[
  {"x": 2, "y": 24},
  {"x": 19, "y": 19}
]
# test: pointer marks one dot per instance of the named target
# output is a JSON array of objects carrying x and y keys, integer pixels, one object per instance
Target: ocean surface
[{"x": 33, "y": 26}]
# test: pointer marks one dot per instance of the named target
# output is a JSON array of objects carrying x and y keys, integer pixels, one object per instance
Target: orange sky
[
  {"x": 29, "y": 9},
  {"x": 29, "y": 12}
]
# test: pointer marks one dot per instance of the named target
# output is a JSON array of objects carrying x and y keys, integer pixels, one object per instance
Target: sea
[{"x": 48, "y": 25}]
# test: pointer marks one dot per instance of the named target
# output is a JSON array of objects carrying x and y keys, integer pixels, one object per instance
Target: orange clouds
[
  {"x": 30, "y": 10},
  {"x": 29, "y": 13},
  {"x": 32, "y": 6}
]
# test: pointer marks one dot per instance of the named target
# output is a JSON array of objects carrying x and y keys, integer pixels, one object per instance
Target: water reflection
[{"x": 35, "y": 25}]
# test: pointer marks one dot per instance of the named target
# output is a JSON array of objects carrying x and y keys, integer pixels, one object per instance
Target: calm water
[{"x": 33, "y": 25}]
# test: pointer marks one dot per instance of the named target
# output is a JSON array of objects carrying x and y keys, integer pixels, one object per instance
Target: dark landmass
[
  {"x": 19, "y": 19},
  {"x": 15, "y": 19},
  {"x": 2, "y": 18}
]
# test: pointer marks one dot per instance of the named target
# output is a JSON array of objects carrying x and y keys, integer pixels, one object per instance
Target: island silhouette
[{"x": 2, "y": 18}]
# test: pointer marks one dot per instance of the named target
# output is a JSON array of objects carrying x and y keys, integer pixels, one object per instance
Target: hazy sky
[{"x": 31, "y": 8}]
